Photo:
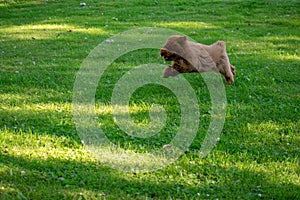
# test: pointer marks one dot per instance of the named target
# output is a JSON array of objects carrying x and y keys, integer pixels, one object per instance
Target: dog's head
[{"x": 173, "y": 48}]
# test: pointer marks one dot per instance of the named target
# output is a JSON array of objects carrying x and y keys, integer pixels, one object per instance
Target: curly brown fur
[{"x": 189, "y": 57}]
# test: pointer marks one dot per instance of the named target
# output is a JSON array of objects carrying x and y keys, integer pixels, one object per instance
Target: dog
[{"x": 191, "y": 57}]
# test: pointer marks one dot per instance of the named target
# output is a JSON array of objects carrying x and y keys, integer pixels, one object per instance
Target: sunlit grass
[
  {"x": 5, "y": 3},
  {"x": 189, "y": 25},
  {"x": 42, "y": 45},
  {"x": 45, "y": 31},
  {"x": 46, "y": 147}
]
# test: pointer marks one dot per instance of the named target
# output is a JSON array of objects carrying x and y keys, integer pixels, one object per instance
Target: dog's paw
[
  {"x": 169, "y": 71},
  {"x": 229, "y": 79},
  {"x": 232, "y": 69}
]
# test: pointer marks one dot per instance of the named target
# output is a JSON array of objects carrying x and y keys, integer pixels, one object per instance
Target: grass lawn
[{"x": 42, "y": 46}]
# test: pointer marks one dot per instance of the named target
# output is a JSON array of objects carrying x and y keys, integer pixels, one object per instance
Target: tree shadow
[
  {"x": 72, "y": 179},
  {"x": 251, "y": 103}
]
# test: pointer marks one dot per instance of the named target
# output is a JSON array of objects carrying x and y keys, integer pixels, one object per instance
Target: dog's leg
[
  {"x": 223, "y": 63},
  {"x": 226, "y": 68}
]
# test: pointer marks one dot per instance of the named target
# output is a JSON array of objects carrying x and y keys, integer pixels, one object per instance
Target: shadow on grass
[
  {"x": 251, "y": 108},
  {"x": 260, "y": 96},
  {"x": 53, "y": 178},
  {"x": 39, "y": 121}
]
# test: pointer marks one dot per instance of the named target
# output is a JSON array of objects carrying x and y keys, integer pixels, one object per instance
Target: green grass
[{"x": 42, "y": 45}]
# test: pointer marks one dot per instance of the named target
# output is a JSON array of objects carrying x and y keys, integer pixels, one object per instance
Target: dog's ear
[{"x": 175, "y": 45}]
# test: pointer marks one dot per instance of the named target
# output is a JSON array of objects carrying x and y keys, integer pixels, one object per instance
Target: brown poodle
[{"x": 189, "y": 57}]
